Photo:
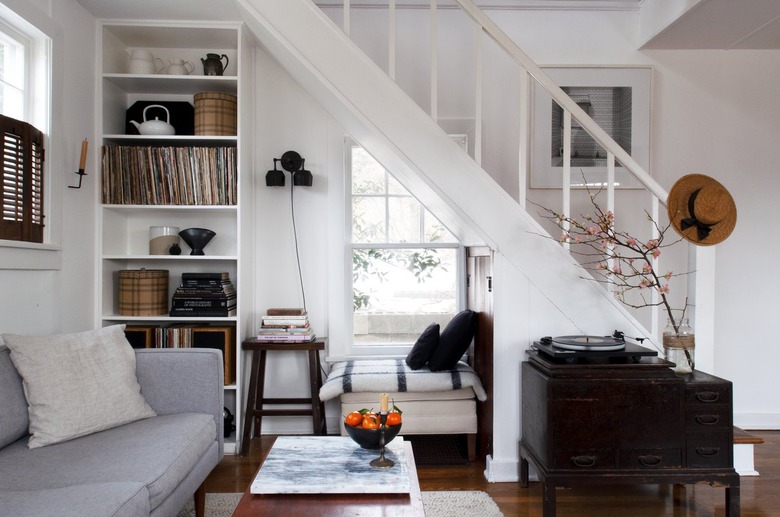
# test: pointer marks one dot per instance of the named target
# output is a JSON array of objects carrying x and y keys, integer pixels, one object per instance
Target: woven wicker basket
[
  {"x": 143, "y": 292},
  {"x": 215, "y": 114}
]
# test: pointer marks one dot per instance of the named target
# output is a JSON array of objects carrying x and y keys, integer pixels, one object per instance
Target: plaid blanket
[{"x": 394, "y": 375}]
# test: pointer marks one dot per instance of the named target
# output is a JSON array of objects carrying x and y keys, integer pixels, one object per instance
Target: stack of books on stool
[
  {"x": 286, "y": 326},
  {"x": 203, "y": 295}
]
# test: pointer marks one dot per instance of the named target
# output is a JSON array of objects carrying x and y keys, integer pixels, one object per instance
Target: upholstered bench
[{"x": 441, "y": 402}]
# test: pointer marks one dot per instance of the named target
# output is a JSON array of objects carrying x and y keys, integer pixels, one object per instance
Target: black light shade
[
  {"x": 302, "y": 178},
  {"x": 274, "y": 178}
]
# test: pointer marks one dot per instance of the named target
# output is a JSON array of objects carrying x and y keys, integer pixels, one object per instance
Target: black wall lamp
[{"x": 292, "y": 163}]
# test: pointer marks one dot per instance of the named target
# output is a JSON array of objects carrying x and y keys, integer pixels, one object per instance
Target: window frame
[{"x": 353, "y": 349}]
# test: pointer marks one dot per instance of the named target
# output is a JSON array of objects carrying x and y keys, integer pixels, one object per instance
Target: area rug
[{"x": 450, "y": 503}]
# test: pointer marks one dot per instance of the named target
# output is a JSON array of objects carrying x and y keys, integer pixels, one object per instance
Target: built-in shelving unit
[{"x": 123, "y": 230}]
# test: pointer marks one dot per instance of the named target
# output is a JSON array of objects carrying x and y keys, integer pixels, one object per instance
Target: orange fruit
[
  {"x": 353, "y": 419},
  {"x": 393, "y": 418},
  {"x": 370, "y": 421}
]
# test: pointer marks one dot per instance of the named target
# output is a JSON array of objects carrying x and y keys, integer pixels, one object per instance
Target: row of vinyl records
[{"x": 143, "y": 175}]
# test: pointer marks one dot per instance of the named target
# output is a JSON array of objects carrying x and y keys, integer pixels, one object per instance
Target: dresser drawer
[
  {"x": 585, "y": 459},
  {"x": 709, "y": 450},
  {"x": 702, "y": 418},
  {"x": 711, "y": 394},
  {"x": 650, "y": 458}
]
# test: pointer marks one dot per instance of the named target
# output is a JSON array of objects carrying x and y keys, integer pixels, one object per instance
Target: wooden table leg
[
  {"x": 249, "y": 413},
  {"x": 548, "y": 499},
  {"x": 523, "y": 472},
  {"x": 317, "y": 413},
  {"x": 260, "y": 395},
  {"x": 732, "y": 501}
]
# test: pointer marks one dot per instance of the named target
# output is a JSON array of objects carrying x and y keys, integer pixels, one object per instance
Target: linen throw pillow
[
  {"x": 454, "y": 341},
  {"x": 77, "y": 384},
  {"x": 423, "y": 348}
]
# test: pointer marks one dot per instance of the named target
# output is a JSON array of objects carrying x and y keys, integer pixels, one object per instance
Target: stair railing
[{"x": 485, "y": 26}]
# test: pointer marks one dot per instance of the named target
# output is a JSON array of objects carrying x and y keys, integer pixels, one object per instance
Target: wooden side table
[{"x": 256, "y": 401}]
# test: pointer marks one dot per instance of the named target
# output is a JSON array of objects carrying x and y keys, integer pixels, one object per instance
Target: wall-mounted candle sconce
[
  {"x": 82, "y": 164},
  {"x": 292, "y": 163}
]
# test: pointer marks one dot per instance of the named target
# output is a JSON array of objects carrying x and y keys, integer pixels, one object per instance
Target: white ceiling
[{"x": 709, "y": 24}]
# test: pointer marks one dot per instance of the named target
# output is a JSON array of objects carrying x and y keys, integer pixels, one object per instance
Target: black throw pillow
[
  {"x": 423, "y": 348},
  {"x": 454, "y": 341}
]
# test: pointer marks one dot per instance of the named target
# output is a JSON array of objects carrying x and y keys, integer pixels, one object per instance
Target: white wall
[{"x": 61, "y": 300}]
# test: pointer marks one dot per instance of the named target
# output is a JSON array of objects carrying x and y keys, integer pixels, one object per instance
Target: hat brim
[{"x": 677, "y": 208}]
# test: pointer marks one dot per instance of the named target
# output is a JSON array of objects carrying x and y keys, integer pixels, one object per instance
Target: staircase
[{"x": 407, "y": 140}]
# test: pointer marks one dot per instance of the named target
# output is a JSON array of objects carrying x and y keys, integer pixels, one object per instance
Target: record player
[{"x": 592, "y": 347}]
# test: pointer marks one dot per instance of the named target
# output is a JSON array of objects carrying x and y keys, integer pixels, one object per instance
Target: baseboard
[{"x": 501, "y": 471}]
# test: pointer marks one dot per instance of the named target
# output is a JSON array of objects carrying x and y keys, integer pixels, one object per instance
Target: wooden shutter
[{"x": 22, "y": 189}]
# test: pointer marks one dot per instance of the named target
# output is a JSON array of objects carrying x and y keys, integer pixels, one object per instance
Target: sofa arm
[{"x": 183, "y": 380}]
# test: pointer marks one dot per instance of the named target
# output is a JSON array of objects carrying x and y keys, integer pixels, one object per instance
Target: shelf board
[
  {"x": 146, "y": 208},
  {"x": 165, "y": 318},
  {"x": 170, "y": 257},
  {"x": 174, "y": 140},
  {"x": 173, "y": 84}
]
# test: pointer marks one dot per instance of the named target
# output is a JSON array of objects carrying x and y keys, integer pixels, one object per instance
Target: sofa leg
[
  {"x": 471, "y": 446},
  {"x": 200, "y": 501}
]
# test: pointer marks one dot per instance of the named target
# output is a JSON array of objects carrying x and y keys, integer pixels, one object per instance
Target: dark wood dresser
[{"x": 635, "y": 422}]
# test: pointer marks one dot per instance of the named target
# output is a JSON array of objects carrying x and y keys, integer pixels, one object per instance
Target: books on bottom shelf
[{"x": 306, "y": 337}]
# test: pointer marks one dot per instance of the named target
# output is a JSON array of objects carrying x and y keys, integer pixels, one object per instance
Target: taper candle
[
  {"x": 83, "y": 162},
  {"x": 383, "y": 404}
]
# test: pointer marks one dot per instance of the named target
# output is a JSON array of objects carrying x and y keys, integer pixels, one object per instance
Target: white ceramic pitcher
[
  {"x": 143, "y": 62},
  {"x": 180, "y": 67}
]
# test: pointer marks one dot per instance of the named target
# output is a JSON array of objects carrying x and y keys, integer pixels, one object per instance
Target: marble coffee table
[{"x": 331, "y": 475}]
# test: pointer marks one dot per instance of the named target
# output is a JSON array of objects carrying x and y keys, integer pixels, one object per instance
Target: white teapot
[
  {"x": 156, "y": 126},
  {"x": 180, "y": 67}
]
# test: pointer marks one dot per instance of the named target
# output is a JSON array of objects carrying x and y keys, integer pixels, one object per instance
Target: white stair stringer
[{"x": 400, "y": 135}]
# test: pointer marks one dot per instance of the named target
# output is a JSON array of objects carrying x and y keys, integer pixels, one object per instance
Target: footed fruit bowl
[
  {"x": 197, "y": 238},
  {"x": 369, "y": 438}
]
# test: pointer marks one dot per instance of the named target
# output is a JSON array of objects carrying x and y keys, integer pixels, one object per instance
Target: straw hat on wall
[{"x": 701, "y": 209}]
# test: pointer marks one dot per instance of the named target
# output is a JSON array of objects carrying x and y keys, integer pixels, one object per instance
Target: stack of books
[
  {"x": 203, "y": 295},
  {"x": 286, "y": 325}
]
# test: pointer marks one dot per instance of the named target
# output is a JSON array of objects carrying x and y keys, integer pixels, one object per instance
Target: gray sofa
[{"x": 147, "y": 467}]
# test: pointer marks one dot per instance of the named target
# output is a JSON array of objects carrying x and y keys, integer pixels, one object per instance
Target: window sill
[{"x": 16, "y": 255}]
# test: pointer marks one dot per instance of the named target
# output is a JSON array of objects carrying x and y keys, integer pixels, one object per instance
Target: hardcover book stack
[
  {"x": 286, "y": 326},
  {"x": 203, "y": 295}
]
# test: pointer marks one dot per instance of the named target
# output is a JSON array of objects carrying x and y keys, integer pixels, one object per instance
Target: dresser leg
[
  {"x": 732, "y": 501},
  {"x": 548, "y": 499}
]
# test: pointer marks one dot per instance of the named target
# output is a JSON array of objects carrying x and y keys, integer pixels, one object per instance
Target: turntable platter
[{"x": 589, "y": 343}]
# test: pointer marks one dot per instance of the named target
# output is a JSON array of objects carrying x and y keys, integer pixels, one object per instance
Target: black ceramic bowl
[
  {"x": 197, "y": 238},
  {"x": 369, "y": 438}
]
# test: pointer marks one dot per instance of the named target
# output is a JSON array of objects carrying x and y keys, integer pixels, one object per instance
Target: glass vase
[{"x": 680, "y": 346}]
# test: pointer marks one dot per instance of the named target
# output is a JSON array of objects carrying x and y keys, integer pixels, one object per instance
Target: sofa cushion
[
  {"x": 454, "y": 341},
  {"x": 77, "y": 384},
  {"x": 13, "y": 405},
  {"x": 158, "y": 452},
  {"x": 114, "y": 499},
  {"x": 423, "y": 348}
]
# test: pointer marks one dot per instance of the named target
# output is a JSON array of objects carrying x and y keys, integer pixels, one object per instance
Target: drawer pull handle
[
  {"x": 707, "y": 419},
  {"x": 650, "y": 460},
  {"x": 584, "y": 461},
  {"x": 708, "y": 396},
  {"x": 707, "y": 451}
]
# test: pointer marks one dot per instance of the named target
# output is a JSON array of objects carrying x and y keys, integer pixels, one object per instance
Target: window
[
  {"x": 25, "y": 71},
  {"x": 405, "y": 263}
]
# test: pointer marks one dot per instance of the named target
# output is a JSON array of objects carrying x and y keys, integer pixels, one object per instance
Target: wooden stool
[{"x": 255, "y": 401}]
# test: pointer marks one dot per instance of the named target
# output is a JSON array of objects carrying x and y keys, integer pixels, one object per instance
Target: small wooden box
[
  {"x": 143, "y": 292},
  {"x": 222, "y": 338}
]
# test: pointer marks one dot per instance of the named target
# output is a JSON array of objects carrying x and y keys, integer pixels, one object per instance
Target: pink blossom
[
  {"x": 631, "y": 241},
  {"x": 652, "y": 244},
  {"x": 592, "y": 230},
  {"x": 644, "y": 283},
  {"x": 647, "y": 269},
  {"x": 663, "y": 289},
  {"x": 609, "y": 215},
  {"x": 668, "y": 275},
  {"x": 564, "y": 237},
  {"x": 656, "y": 253},
  {"x": 616, "y": 269}
]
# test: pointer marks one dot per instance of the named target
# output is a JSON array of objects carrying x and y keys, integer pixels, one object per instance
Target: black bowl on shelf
[
  {"x": 369, "y": 438},
  {"x": 197, "y": 238}
]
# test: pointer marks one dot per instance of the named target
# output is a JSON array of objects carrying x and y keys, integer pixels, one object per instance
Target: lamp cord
[{"x": 295, "y": 236}]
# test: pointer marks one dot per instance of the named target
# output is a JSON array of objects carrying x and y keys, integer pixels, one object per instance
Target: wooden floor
[{"x": 760, "y": 496}]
